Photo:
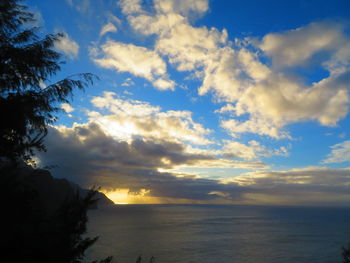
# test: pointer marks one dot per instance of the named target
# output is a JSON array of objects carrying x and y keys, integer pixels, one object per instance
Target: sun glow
[
  {"x": 123, "y": 130},
  {"x": 119, "y": 196},
  {"x": 124, "y": 196}
]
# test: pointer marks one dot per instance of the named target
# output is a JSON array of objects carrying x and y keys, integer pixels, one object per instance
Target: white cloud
[
  {"x": 264, "y": 99},
  {"x": 164, "y": 84},
  {"x": 204, "y": 51},
  {"x": 279, "y": 101},
  {"x": 296, "y": 46},
  {"x": 109, "y": 27},
  {"x": 275, "y": 99},
  {"x": 128, "y": 82},
  {"x": 226, "y": 163},
  {"x": 255, "y": 125},
  {"x": 190, "y": 48},
  {"x": 340, "y": 60},
  {"x": 130, "y": 6},
  {"x": 228, "y": 108},
  {"x": 251, "y": 151},
  {"x": 136, "y": 60},
  {"x": 68, "y": 46},
  {"x": 130, "y": 118},
  {"x": 67, "y": 107},
  {"x": 160, "y": 24},
  {"x": 340, "y": 153},
  {"x": 183, "y": 7}
]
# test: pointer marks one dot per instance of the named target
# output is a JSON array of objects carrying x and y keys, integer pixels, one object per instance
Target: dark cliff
[{"x": 54, "y": 191}]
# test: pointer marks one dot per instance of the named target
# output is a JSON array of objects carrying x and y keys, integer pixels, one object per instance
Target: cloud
[
  {"x": 107, "y": 28},
  {"x": 298, "y": 176},
  {"x": 257, "y": 125},
  {"x": 130, "y": 58},
  {"x": 130, "y": 118},
  {"x": 279, "y": 101},
  {"x": 68, "y": 46},
  {"x": 128, "y": 82},
  {"x": 204, "y": 51},
  {"x": 265, "y": 98},
  {"x": 297, "y": 46},
  {"x": 136, "y": 60},
  {"x": 309, "y": 185},
  {"x": 183, "y": 7},
  {"x": 251, "y": 151},
  {"x": 67, "y": 107},
  {"x": 89, "y": 156},
  {"x": 137, "y": 146},
  {"x": 164, "y": 84},
  {"x": 226, "y": 109},
  {"x": 340, "y": 153},
  {"x": 130, "y": 6},
  {"x": 273, "y": 99},
  {"x": 113, "y": 19}
]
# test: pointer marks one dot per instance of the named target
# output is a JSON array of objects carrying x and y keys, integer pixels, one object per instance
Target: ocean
[{"x": 219, "y": 233}]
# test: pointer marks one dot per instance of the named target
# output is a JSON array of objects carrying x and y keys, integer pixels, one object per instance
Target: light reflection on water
[{"x": 220, "y": 233}]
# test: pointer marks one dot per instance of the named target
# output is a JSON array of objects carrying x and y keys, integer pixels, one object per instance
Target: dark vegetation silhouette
[
  {"x": 346, "y": 254},
  {"x": 34, "y": 230}
]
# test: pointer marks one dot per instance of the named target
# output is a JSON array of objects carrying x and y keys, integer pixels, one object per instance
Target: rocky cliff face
[{"x": 53, "y": 191}]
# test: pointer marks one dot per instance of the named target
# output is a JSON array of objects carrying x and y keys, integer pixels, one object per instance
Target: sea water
[{"x": 219, "y": 233}]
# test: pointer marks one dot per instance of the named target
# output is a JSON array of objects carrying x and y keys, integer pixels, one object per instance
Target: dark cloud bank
[{"x": 88, "y": 156}]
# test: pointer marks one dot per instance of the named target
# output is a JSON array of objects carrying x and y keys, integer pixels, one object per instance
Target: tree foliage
[
  {"x": 32, "y": 233},
  {"x": 28, "y": 104},
  {"x": 29, "y": 101},
  {"x": 346, "y": 254}
]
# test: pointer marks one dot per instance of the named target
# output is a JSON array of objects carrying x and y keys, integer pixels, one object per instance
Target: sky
[{"x": 204, "y": 102}]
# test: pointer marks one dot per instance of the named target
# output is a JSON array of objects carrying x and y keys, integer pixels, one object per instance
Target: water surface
[{"x": 220, "y": 233}]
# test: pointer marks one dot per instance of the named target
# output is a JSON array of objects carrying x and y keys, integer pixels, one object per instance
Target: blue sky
[{"x": 205, "y": 101}]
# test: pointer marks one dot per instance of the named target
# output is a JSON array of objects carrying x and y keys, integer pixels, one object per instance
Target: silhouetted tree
[
  {"x": 27, "y": 63},
  {"x": 346, "y": 254},
  {"x": 31, "y": 233},
  {"x": 70, "y": 225},
  {"x": 28, "y": 103}
]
